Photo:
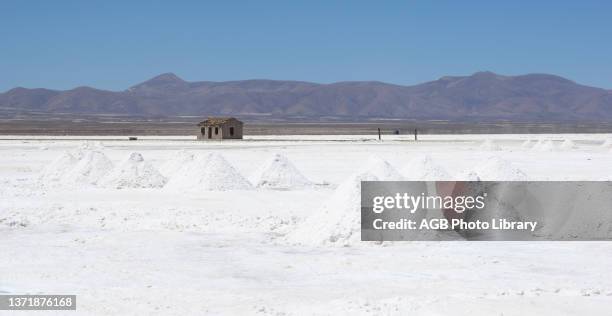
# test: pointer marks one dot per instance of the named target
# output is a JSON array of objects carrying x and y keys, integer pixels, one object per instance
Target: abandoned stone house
[{"x": 216, "y": 128}]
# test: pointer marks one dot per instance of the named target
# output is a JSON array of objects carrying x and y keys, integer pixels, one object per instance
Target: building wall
[
  {"x": 237, "y": 131},
  {"x": 223, "y": 132}
]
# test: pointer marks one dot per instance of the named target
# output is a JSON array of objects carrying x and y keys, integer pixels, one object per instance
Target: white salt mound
[
  {"x": 209, "y": 173},
  {"x": 91, "y": 167},
  {"x": 58, "y": 168},
  {"x": 338, "y": 221},
  {"x": 424, "y": 169},
  {"x": 381, "y": 169},
  {"x": 279, "y": 173},
  {"x": 174, "y": 165},
  {"x": 568, "y": 144},
  {"x": 545, "y": 146},
  {"x": 497, "y": 169},
  {"x": 134, "y": 172},
  {"x": 607, "y": 143},
  {"x": 490, "y": 145}
]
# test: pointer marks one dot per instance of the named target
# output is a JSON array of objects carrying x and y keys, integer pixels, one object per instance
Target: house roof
[{"x": 217, "y": 121}]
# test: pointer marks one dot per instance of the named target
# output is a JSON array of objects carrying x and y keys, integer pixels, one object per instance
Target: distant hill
[{"x": 483, "y": 95}]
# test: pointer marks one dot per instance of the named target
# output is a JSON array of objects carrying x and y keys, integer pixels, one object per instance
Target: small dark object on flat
[{"x": 132, "y": 138}]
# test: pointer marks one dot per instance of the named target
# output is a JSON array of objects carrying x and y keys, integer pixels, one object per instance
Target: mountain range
[{"x": 483, "y": 95}]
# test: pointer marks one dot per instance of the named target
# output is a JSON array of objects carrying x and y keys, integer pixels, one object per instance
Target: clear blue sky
[{"x": 115, "y": 44}]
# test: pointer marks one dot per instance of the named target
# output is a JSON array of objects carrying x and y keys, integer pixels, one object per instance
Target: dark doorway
[
  {"x": 231, "y": 131},
  {"x": 210, "y": 132}
]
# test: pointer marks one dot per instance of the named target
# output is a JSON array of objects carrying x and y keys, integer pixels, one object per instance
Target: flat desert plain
[{"x": 270, "y": 226}]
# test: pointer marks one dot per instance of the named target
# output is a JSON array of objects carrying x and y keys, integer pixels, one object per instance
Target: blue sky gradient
[{"x": 115, "y": 44}]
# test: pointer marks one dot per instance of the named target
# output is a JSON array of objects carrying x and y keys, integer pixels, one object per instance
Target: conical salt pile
[
  {"x": 174, "y": 165},
  {"x": 545, "y": 146},
  {"x": 210, "y": 173},
  {"x": 381, "y": 169},
  {"x": 58, "y": 168},
  {"x": 424, "y": 169},
  {"x": 279, "y": 173},
  {"x": 568, "y": 144},
  {"x": 338, "y": 221},
  {"x": 496, "y": 169},
  {"x": 134, "y": 172},
  {"x": 91, "y": 167}
]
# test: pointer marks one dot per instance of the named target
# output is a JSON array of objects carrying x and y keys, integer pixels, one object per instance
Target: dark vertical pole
[
  {"x": 379, "y": 138},
  {"x": 415, "y": 134}
]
